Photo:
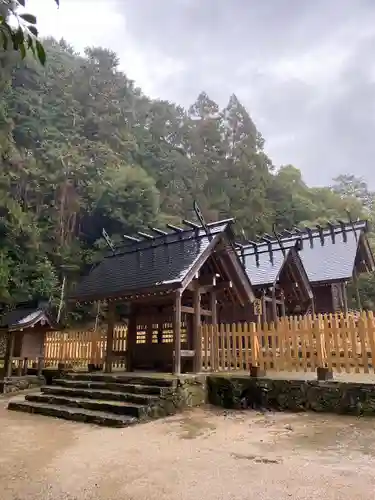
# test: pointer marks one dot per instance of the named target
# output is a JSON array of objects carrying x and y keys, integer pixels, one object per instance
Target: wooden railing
[{"x": 338, "y": 342}]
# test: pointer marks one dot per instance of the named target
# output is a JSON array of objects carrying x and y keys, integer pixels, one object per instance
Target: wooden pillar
[
  {"x": 274, "y": 306},
  {"x": 110, "y": 330},
  {"x": 283, "y": 311},
  {"x": 264, "y": 307},
  {"x": 40, "y": 366},
  {"x": 214, "y": 308},
  {"x": 215, "y": 337},
  {"x": 131, "y": 340},
  {"x": 312, "y": 306},
  {"x": 9, "y": 354},
  {"x": 334, "y": 297},
  {"x": 358, "y": 297},
  {"x": 197, "y": 342},
  {"x": 345, "y": 297},
  {"x": 24, "y": 366},
  {"x": 177, "y": 333},
  {"x": 149, "y": 329}
]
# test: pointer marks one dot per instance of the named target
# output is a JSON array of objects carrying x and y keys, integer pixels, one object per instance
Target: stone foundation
[
  {"x": 293, "y": 395},
  {"x": 15, "y": 384},
  {"x": 186, "y": 392}
]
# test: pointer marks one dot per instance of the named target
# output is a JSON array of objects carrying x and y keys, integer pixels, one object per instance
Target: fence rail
[{"x": 338, "y": 342}]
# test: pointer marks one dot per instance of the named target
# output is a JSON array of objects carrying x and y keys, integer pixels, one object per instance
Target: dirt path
[{"x": 202, "y": 455}]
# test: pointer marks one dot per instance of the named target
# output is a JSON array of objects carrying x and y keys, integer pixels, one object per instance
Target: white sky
[
  {"x": 303, "y": 68},
  {"x": 86, "y": 23}
]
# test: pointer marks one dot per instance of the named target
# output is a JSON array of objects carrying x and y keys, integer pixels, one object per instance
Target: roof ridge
[
  {"x": 173, "y": 237},
  {"x": 307, "y": 233}
]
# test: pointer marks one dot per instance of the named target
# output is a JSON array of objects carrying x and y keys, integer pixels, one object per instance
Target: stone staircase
[{"x": 109, "y": 399}]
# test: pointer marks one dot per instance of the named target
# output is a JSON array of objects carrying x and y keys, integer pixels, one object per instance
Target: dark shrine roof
[
  {"x": 267, "y": 269},
  {"x": 25, "y": 316},
  {"x": 327, "y": 255},
  {"x": 157, "y": 263}
]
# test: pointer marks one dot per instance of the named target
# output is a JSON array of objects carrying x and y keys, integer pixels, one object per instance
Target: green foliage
[
  {"x": 82, "y": 149},
  {"x": 24, "y": 36}
]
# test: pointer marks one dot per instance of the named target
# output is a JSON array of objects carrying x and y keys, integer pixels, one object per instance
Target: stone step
[
  {"x": 111, "y": 386},
  {"x": 102, "y": 394},
  {"x": 129, "y": 378},
  {"x": 115, "y": 407},
  {"x": 75, "y": 414}
]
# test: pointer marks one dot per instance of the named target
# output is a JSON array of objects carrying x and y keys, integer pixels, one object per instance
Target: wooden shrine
[
  {"x": 22, "y": 333},
  {"x": 279, "y": 281},
  {"x": 331, "y": 256},
  {"x": 170, "y": 282}
]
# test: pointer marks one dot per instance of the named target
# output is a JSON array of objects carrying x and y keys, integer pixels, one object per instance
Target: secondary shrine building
[
  {"x": 329, "y": 258},
  {"x": 22, "y": 336},
  {"x": 279, "y": 281}
]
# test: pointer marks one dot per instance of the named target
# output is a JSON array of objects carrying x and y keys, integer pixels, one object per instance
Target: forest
[{"x": 82, "y": 149}]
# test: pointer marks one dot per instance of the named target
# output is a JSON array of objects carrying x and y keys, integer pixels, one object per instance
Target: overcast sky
[{"x": 305, "y": 69}]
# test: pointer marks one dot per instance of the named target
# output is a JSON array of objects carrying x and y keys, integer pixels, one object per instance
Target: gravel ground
[{"x": 204, "y": 454}]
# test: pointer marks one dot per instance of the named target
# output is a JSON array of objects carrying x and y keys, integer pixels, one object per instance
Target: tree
[
  {"x": 24, "y": 36},
  {"x": 82, "y": 149},
  {"x": 350, "y": 186}
]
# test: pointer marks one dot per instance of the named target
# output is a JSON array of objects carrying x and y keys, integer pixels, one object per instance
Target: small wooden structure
[
  {"x": 23, "y": 330},
  {"x": 331, "y": 256},
  {"x": 279, "y": 281},
  {"x": 171, "y": 283}
]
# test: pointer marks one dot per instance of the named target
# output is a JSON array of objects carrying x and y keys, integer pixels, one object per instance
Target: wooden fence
[
  {"x": 338, "y": 342},
  {"x": 78, "y": 348},
  {"x": 341, "y": 343}
]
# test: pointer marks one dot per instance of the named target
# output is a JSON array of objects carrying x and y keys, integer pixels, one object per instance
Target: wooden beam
[
  {"x": 157, "y": 231},
  {"x": 200, "y": 261},
  {"x": 110, "y": 330},
  {"x": 197, "y": 344},
  {"x": 131, "y": 238},
  {"x": 177, "y": 333},
  {"x": 191, "y": 310},
  {"x": 192, "y": 225},
  {"x": 269, "y": 299},
  {"x": 226, "y": 271},
  {"x": 222, "y": 285},
  {"x": 146, "y": 294},
  {"x": 192, "y": 285},
  {"x": 174, "y": 228},
  {"x": 146, "y": 236}
]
